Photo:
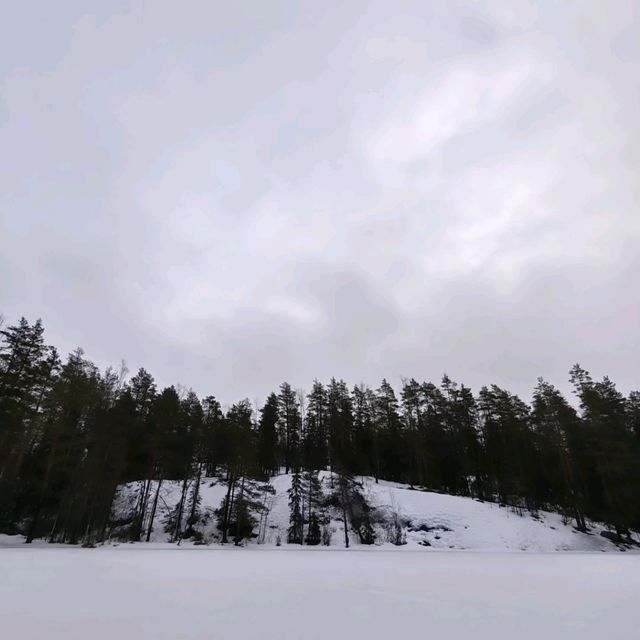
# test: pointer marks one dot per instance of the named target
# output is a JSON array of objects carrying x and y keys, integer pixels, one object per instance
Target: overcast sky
[{"x": 235, "y": 194}]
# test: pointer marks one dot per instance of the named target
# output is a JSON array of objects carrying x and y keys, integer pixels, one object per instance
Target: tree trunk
[
  {"x": 344, "y": 516},
  {"x": 153, "y": 510},
  {"x": 196, "y": 493},
  {"x": 227, "y": 506},
  {"x": 240, "y": 521},
  {"x": 183, "y": 496},
  {"x": 105, "y": 522},
  {"x": 31, "y": 534},
  {"x": 309, "y": 517}
]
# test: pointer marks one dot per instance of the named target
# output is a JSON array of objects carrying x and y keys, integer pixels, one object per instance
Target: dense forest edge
[{"x": 72, "y": 436}]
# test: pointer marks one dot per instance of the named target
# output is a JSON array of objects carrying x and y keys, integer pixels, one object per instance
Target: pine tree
[
  {"x": 243, "y": 498},
  {"x": 365, "y": 437},
  {"x": 28, "y": 369},
  {"x": 421, "y": 456},
  {"x": 289, "y": 424},
  {"x": 391, "y": 442},
  {"x": 509, "y": 446},
  {"x": 190, "y": 431},
  {"x": 268, "y": 436},
  {"x": 340, "y": 425},
  {"x": 315, "y": 433},
  {"x": 609, "y": 451},
  {"x": 211, "y": 425},
  {"x": 557, "y": 428},
  {"x": 460, "y": 416},
  {"x": 70, "y": 411}
]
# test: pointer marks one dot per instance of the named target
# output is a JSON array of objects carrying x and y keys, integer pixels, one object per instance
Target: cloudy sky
[{"x": 235, "y": 194}]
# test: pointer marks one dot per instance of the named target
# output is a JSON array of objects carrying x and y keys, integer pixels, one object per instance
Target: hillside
[{"x": 431, "y": 521}]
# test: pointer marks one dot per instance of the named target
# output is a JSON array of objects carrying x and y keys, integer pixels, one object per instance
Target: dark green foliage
[
  {"x": 70, "y": 435},
  {"x": 296, "y": 521},
  {"x": 236, "y": 514},
  {"x": 350, "y": 505},
  {"x": 289, "y": 425},
  {"x": 360, "y": 514},
  {"x": 314, "y": 535},
  {"x": 268, "y": 436},
  {"x": 608, "y": 454},
  {"x": 340, "y": 427},
  {"x": 314, "y": 445}
]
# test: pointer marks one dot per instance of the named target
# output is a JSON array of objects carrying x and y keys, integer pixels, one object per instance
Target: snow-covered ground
[
  {"x": 437, "y": 520},
  {"x": 259, "y": 593},
  {"x": 432, "y": 521},
  {"x": 429, "y": 587}
]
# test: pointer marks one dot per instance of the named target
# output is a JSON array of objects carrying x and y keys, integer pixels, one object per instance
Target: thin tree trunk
[
  {"x": 239, "y": 522},
  {"x": 153, "y": 510},
  {"x": 33, "y": 526},
  {"x": 107, "y": 516},
  {"x": 227, "y": 505},
  {"x": 142, "y": 507},
  {"x": 196, "y": 492},
  {"x": 183, "y": 495},
  {"x": 309, "y": 518},
  {"x": 344, "y": 515}
]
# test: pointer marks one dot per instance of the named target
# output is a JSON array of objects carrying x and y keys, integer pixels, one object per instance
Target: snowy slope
[
  {"x": 433, "y": 521},
  {"x": 463, "y": 523}
]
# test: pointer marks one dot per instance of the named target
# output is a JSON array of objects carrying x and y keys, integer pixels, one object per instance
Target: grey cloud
[
  {"x": 233, "y": 195},
  {"x": 478, "y": 30}
]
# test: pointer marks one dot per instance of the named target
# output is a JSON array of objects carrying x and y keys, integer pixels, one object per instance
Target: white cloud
[
  {"x": 457, "y": 100},
  {"x": 399, "y": 49},
  {"x": 230, "y": 197}
]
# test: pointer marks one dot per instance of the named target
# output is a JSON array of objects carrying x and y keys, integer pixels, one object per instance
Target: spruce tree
[
  {"x": 296, "y": 521},
  {"x": 314, "y": 501}
]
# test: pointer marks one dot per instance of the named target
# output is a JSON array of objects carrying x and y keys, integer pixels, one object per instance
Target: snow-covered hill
[{"x": 432, "y": 521}]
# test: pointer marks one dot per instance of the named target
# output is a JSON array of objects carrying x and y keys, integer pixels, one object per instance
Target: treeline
[{"x": 70, "y": 436}]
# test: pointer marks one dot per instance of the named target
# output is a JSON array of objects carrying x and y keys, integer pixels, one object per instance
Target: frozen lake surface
[{"x": 289, "y": 593}]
